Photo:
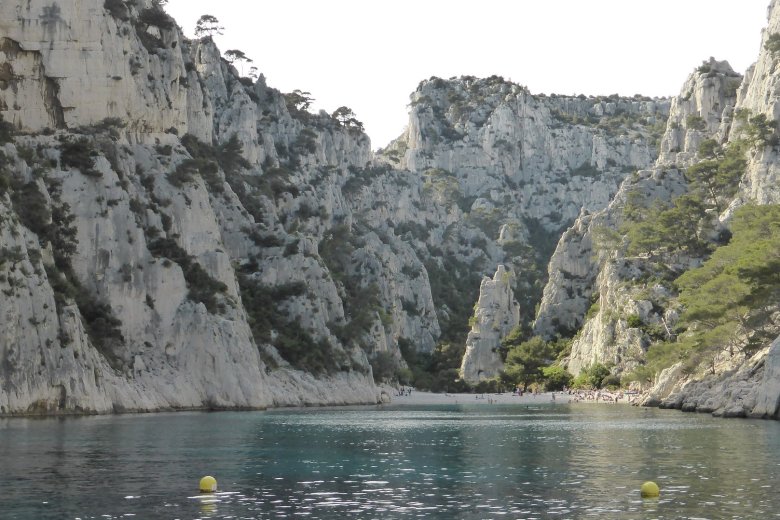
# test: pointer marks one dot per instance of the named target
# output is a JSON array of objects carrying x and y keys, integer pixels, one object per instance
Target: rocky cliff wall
[
  {"x": 176, "y": 236},
  {"x": 128, "y": 281},
  {"x": 740, "y": 385},
  {"x": 632, "y": 306}
]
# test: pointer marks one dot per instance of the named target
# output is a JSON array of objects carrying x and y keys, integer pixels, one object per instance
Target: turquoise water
[{"x": 468, "y": 462}]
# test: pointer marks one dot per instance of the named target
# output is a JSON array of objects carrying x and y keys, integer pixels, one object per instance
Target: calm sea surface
[{"x": 477, "y": 461}]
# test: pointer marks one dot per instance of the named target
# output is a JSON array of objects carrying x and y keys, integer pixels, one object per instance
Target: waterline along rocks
[{"x": 174, "y": 235}]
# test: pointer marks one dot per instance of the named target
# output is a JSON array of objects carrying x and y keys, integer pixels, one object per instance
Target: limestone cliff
[
  {"x": 741, "y": 384},
  {"x": 592, "y": 277},
  {"x": 146, "y": 264},
  {"x": 495, "y": 315},
  {"x": 174, "y": 235},
  {"x": 506, "y": 171},
  {"x": 631, "y": 292}
]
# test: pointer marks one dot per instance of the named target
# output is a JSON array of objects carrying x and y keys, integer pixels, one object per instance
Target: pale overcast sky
[{"x": 370, "y": 55}]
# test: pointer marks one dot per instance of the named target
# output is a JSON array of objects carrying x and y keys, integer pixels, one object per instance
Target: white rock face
[
  {"x": 583, "y": 275},
  {"x": 729, "y": 388},
  {"x": 744, "y": 387},
  {"x": 732, "y": 385},
  {"x": 760, "y": 94},
  {"x": 552, "y": 155},
  {"x": 569, "y": 289},
  {"x": 496, "y": 314},
  {"x": 71, "y": 64},
  {"x": 768, "y": 392},
  {"x": 84, "y": 66},
  {"x": 704, "y": 109}
]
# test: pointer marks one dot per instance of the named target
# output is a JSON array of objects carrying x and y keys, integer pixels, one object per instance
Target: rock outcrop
[
  {"x": 495, "y": 315},
  {"x": 767, "y": 396}
]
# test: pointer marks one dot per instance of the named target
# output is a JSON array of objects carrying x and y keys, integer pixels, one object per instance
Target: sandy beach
[{"x": 426, "y": 398}]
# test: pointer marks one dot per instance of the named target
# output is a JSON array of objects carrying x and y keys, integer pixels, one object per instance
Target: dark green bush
[
  {"x": 556, "y": 378},
  {"x": 695, "y": 122},
  {"x": 773, "y": 44},
  {"x": 295, "y": 344},
  {"x": 155, "y": 16},
  {"x": 103, "y": 328},
  {"x": 7, "y": 131},
  {"x": 197, "y": 148},
  {"x": 229, "y": 157},
  {"x": 383, "y": 367},
  {"x": 183, "y": 173},
  {"x": 634, "y": 321},
  {"x": 201, "y": 286},
  {"x": 117, "y": 9},
  {"x": 79, "y": 154},
  {"x": 32, "y": 208}
]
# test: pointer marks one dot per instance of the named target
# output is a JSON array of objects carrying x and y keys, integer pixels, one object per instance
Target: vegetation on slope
[
  {"x": 726, "y": 304},
  {"x": 730, "y": 300}
]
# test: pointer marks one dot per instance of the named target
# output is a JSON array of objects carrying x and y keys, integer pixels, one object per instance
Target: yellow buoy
[
  {"x": 649, "y": 490},
  {"x": 208, "y": 484}
]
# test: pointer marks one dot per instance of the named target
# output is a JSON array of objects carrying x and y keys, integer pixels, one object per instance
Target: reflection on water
[{"x": 466, "y": 462}]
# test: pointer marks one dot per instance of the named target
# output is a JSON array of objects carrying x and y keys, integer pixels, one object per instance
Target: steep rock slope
[
  {"x": 742, "y": 383},
  {"x": 718, "y": 120},
  {"x": 129, "y": 257},
  {"x": 512, "y": 170},
  {"x": 176, "y": 236}
]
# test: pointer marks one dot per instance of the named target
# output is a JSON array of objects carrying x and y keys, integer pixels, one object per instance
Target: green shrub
[
  {"x": 229, "y": 157},
  {"x": 634, "y": 321},
  {"x": 556, "y": 378},
  {"x": 695, "y": 122},
  {"x": 103, "y": 328},
  {"x": 593, "y": 310},
  {"x": 586, "y": 170},
  {"x": 201, "y": 286},
  {"x": 611, "y": 382},
  {"x": 7, "y": 131},
  {"x": 772, "y": 44},
  {"x": 156, "y": 17},
  {"x": 5, "y": 181},
  {"x": 197, "y": 148},
  {"x": 32, "y": 208},
  {"x": 305, "y": 142},
  {"x": 591, "y": 377},
  {"x": 383, "y": 367},
  {"x": 183, "y": 173},
  {"x": 492, "y": 386},
  {"x": 295, "y": 344},
  {"x": 79, "y": 154}
]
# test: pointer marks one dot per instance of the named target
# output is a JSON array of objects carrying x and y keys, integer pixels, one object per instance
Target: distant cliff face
[
  {"x": 551, "y": 156},
  {"x": 173, "y": 235},
  {"x": 512, "y": 170}
]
